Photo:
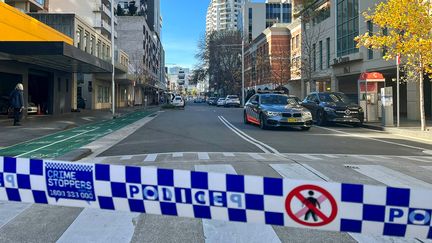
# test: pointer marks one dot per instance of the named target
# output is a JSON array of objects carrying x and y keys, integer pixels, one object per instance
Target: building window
[
  {"x": 321, "y": 55},
  {"x": 384, "y": 33},
  {"x": 292, "y": 43},
  {"x": 86, "y": 43},
  {"x": 250, "y": 25},
  {"x": 278, "y": 13},
  {"x": 103, "y": 51},
  {"x": 78, "y": 37},
  {"x": 328, "y": 52},
  {"x": 314, "y": 56},
  {"x": 92, "y": 39},
  {"x": 103, "y": 94},
  {"x": 98, "y": 49},
  {"x": 370, "y": 30},
  {"x": 297, "y": 41},
  {"x": 347, "y": 26}
]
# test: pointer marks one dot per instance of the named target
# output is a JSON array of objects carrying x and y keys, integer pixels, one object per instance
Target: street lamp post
[
  {"x": 112, "y": 60},
  {"x": 243, "y": 54}
]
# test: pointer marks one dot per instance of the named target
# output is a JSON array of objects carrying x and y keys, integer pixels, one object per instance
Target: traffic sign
[{"x": 311, "y": 205}]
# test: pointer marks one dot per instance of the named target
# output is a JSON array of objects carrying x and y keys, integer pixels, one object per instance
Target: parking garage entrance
[
  {"x": 8, "y": 82},
  {"x": 40, "y": 91}
]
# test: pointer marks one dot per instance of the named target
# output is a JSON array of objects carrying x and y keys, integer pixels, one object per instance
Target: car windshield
[
  {"x": 232, "y": 97},
  {"x": 334, "y": 97},
  {"x": 278, "y": 100},
  {"x": 178, "y": 98}
]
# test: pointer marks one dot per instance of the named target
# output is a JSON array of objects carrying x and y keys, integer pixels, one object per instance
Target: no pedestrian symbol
[{"x": 311, "y": 205}]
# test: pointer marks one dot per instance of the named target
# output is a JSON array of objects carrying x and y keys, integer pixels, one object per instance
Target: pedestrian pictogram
[{"x": 311, "y": 205}]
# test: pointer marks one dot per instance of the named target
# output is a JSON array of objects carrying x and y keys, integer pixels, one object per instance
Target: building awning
[
  {"x": 55, "y": 55},
  {"x": 371, "y": 77}
]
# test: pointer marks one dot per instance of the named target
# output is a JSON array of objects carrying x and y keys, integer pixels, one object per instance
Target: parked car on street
[
  {"x": 178, "y": 101},
  {"x": 32, "y": 108},
  {"x": 333, "y": 107},
  {"x": 276, "y": 110},
  {"x": 212, "y": 101},
  {"x": 221, "y": 102},
  {"x": 232, "y": 101}
]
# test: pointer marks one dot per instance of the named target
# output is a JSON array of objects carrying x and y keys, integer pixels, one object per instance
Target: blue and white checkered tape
[{"x": 341, "y": 207}]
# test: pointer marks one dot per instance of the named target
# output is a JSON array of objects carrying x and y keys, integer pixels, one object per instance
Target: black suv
[{"x": 333, "y": 107}]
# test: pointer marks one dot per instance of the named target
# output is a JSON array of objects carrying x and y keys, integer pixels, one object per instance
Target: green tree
[{"x": 408, "y": 24}]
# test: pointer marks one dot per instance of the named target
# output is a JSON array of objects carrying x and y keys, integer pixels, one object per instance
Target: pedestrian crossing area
[
  {"x": 62, "y": 224},
  {"x": 232, "y": 157}
]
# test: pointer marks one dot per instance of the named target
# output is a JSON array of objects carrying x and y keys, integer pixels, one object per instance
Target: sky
[{"x": 182, "y": 27}]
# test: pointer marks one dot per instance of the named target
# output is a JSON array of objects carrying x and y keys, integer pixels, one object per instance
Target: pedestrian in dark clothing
[{"x": 17, "y": 102}]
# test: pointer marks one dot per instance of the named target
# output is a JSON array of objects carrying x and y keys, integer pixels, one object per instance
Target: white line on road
[
  {"x": 363, "y": 157},
  {"x": 126, "y": 157},
  {"x": 177, "y": 155},
  {"x": 374, "y": 139},
  {"x": 10, "y": 210},
  {"x": 304, "y": 172},
  {"x": 256, "y": 156},
  {"x": 415, "y": 159},
  {"x": 94, "y": 225},
  {"x": 220, "y": 231},
  {"x": 381, "y": 157},
  {"x": 203, "y": 156},
  {"x": 48, "y": 145},
  {"x": 311, "y": 157},
  {"x": 150, "y": 158},
  {"x": 248, "y": 138},
  {"x": 330, "y": 156},
  {"x": 228, "y": 154},
  {"x": 243, "y": 137},
  {"x": 389, "y": 177}
]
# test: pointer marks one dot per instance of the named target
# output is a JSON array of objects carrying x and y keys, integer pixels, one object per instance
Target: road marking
[
  {"x": 243, "y": 137},
  {"x": 94, "y": 225},
  {"x": 248, "y": 138},
  {"x": 150, "y": 158},
  {"x": 311, "y": 157},
  {"x": 415, "y": 159},
  {"x": 177, "y": 155},
  {"x": 48, "y": 145},
  {"x": 126, "y": 157},
  {"x": 390, "y": 177},
  {"x": 203, "y": 156},
  {"x": 302, "y": 172},
  {"x": 382, "y": 157},
  {"x": 228, "y": 154},
  {"x": 10, "y": 210},
  {"x": 330, "y": 156},
  {"x": 363, "y": 157},
  {"x": 374, "y": 139},
  {"x": 220, "y": 231},
  {"x": 256, "y": 156}
]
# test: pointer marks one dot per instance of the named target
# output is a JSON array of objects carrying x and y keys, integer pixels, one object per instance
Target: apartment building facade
[
  {"x": 223, "y": 15},
  {"x": 259, "y": 16}
]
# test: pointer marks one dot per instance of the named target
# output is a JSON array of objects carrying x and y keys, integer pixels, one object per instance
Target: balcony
[
  {"x": 106, "y": 10},
  {"x": 105, "y": 25}
]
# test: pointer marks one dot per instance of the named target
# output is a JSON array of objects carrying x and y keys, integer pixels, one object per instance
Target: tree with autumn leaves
[{"x": 409, "y": 34}]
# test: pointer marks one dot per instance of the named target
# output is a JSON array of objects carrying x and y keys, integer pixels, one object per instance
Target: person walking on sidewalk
[{"x": 17, "y": 102}]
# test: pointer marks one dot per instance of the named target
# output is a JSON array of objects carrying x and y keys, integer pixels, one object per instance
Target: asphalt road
[
  {"x": 215, "y": 139},
  {"x": 199, "y": 128}
]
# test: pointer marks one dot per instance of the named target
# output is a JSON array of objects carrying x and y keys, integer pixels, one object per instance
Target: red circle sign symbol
[{"x": 309, "y": 207}]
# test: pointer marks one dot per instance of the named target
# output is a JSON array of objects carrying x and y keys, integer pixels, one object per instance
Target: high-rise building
[
  {"x": 259, "y": 16},
  {"x": 97, "y": 13},
  {"x": 29, "y": 6},
  {"x": 223, "y": 15}
]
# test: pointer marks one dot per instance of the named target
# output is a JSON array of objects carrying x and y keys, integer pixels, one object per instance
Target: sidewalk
[
  {"x": 407, "y": 128},
  {"x": 38, "y": 126}
]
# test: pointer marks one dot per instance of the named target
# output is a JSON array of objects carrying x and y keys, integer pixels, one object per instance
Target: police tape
[{"x": 340, "y": 207}]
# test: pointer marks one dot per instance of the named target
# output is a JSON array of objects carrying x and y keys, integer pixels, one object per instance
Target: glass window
[
  {"x": 347, "y": 26},
  {"x": 328, "y": 52},
  {"x": 314, "y": 56},
  {"x": 321, "y": 55}
]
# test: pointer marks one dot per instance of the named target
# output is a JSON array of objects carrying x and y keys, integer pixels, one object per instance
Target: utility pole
[
  {"x": 243, "y": 54},
  {"x": 397, "y": 90},
  {"x": 112, "y": 60}
]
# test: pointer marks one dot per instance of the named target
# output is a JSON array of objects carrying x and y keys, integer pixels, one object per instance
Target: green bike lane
[{"x": 57, "y": 144}]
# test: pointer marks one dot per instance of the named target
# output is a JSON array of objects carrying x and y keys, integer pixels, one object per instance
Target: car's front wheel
[
  {"x": 263, "y": 124},
  {"x": 305, "y": 128}
]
